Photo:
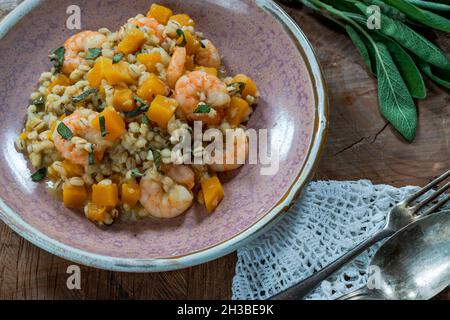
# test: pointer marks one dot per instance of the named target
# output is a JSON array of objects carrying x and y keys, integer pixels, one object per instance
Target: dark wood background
[{"x": 360, "y": 146}]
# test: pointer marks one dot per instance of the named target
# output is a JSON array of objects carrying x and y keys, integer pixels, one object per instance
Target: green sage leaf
[
  {"x": 64, "y": 131},
  {"x": 39, "y": 175},
  {"x": 93, "y": 53},
  {"x": 423, "y": 16},
  {"x": 360, "y": 45},
  {"x": 435, "y": 75},
  {"x": 84, "y": 95},
  {"x": 396, "y": 104}
]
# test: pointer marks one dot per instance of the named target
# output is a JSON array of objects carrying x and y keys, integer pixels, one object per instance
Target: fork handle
[{"x": 300, "y": 290}]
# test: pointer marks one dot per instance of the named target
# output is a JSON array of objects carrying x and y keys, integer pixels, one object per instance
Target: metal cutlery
[{"x": 401, "y": 215}]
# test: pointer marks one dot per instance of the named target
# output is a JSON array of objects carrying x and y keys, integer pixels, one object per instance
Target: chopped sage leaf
[
  {"x": 157, "y": 159},
  {"x": 84, "y": 95},
  {"x": 135, "y": 173},
  {"x": 117, "y": 58},
  {"x": 91, "y": 159},
  {"x": 236, "y": 87},
  {"x": 64, "y": 131},
  {"x": 184, "y": 41},
  {"x": 39, "y": 102},
  {"x": 39, "y": 175},
  {"x": 145, "y": 120},
  {"x": 141, "y": 109},
  {"x": 203, "y": 108},
  {"x": 93, "y": 53},
  {"x": 58, "y": 58},
  {"x": 102, "y": 121}
]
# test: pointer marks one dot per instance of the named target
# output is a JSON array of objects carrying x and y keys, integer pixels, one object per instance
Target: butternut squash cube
[
  {"x": 123, "y": 99},
  {"x": 152, "y": 87},
  {"x": 119, "y": 73},
  {"x": 192, "y": 44},
  {"x": 250, "y": 87},
  {"x": 97, "y": 73},
  {"x": 162, "y": 110},
  {"x": 114, "y": 124},
  {"x": 105, "y": 195},
  {"x": 60, "y": 80},
  {"x": 211, "y": 71},
  {"x": 132, "y": 42},
  {"x": 238, "y": 111},
  {"x": 183, "y": 19},
  {"x": 149, "y": 60},
  {"x": 74, "y": 197},
  {"x": 96, "y": 213},
  {"x": 131, "y": 193},
  {"x": 160, "y": 13},
  {"x": 213, "y": 193},
  {"x": 72, "y": 169}
]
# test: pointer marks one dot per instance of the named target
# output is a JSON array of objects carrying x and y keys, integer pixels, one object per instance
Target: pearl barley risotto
[{"x": 104, "y": 124}]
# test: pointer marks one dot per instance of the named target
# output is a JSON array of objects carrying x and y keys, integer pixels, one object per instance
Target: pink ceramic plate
[{"x": 256, "y": 38}]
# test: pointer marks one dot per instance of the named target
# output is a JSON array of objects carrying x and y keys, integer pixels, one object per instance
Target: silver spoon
[{"x": 412, "y": 265}]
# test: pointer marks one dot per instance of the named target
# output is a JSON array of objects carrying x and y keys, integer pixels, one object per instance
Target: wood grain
[{"x": 360, "y": 146}]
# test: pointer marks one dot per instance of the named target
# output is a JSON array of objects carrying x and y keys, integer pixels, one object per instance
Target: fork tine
[
  {"x": 432, "y": 197},
  {"x": 437, "y": 206},
  {"x": 428, "y": 187}
]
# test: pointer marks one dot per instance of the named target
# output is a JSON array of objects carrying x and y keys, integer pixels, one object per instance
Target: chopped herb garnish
[
  {"x": 145, "y": 120},
  {"x": 102, "y": 107},
  {"x": 39, "y": 175},
  {"x": 142, "y": 108},
  {"x": 91, "y": 159},
  {"x": 236, "y": 87},
  {"x": 103, "y": 126},
  {"x": 203, "y": 108},
  {"x": 117, "y": 58},
  {"x": 64, "y": 131},
  {"x": 181, "y": 34},
  {"x": 58, "y": 58},
  {"x": 39, "y": 102},
  {"x": 135, "y": 173},
  {"x": 157, "y": 159},
  {"x": 93, "y": 53},
  {"x": 84, "y": 95}
]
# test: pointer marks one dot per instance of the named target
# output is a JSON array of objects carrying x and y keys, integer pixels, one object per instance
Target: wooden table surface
[{"x": 360, "y": 146}]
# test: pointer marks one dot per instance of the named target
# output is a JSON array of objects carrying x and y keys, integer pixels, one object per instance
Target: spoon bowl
[{"x": 414, "y": 264}]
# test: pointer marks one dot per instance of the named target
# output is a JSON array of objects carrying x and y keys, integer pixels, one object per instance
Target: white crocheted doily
[{"x": 330, "y": 219}]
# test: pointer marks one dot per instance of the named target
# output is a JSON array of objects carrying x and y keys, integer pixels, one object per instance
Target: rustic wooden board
[{"x": 360, "y": 146}]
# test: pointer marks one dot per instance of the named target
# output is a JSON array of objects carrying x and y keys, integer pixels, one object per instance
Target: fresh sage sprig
[{"x": 395, "y": 52}]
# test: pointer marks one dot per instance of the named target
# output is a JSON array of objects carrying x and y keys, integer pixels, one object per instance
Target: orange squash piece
[
  {"x": 132, "y": 42},
  {"x": 72, "y": 169},
  {"x": 131, "y": 193},
  {"x": 96, "y": 213},
  {"x": 250, "y": 86},
  {"x": 149, "y": 60},
  {"x": 119, "y": 73},
  {"x": 160, "y": 13},
  {"x": 162, "y": 110},
  {"x": 192, "y": 44},
  {"x": 183, "y": 19},
  {"x": 152, "y": 87},
  {"x": 74, "y": 197},
  {"x": 97, "y": 73},
  {"x": 213, "y": 193},
  {"x": 123, "y": 99},
  {"x": 105, "y": 195},
  {"x": 60, "y": 80},
  {"x": 114, "y": 124},
  {"x": 238, "y": 111},
  {"x": 211, "y": 71}
]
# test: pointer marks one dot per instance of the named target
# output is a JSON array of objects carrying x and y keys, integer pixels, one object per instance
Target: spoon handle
[
  {"x": 362, "y": 294},
  {"x": 300, "y": 290}
]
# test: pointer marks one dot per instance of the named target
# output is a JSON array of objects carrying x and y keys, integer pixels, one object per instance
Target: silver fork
[{"x": 400, "y": 216}]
